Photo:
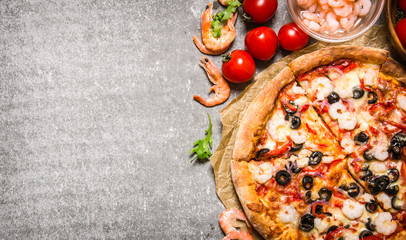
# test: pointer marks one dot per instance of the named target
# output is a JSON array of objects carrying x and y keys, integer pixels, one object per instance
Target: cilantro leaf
[
  {"x": 202, "y": 146},
  {"x": 220, "y": 18}
]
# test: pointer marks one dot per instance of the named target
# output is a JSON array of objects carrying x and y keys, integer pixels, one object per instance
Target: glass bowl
[{"x": 360, "y": 27}]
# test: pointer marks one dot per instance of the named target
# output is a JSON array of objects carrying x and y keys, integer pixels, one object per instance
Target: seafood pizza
[{"x": 320, "y": 151}]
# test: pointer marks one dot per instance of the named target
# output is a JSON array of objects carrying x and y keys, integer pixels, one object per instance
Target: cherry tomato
[
  {"x": 402, "y": 5},
  {"x": 261, "y": 43},
  {"x": 401, "y": 31},
  {"x": 238, "y": 67},
  {"x": 260, "y": 11},
  {"x": 291, "y": 37}
]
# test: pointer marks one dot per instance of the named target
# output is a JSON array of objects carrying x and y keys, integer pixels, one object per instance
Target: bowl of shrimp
[{"x": 335, "y": 20}]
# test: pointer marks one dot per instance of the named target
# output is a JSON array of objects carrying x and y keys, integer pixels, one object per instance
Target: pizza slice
[{"x": 292, "y": 176}]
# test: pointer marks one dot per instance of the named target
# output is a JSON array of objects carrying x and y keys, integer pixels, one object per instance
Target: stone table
[{"x": 97, "y": 119}]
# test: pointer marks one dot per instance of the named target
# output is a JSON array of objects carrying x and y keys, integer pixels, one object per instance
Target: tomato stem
[
  {"x": 246, "y": 17},
  {"x": 226, "y": 57}
]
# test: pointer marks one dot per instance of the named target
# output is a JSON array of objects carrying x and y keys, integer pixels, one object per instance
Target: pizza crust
[
  {"x": 329, "y": 55},
  {"x": 263, "y": 220},
  {"x": 394, "y": 69},
  {"x": 255, "y": 117}
]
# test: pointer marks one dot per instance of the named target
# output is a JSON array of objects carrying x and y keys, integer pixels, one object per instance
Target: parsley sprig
[
  {"x": 202, "y": 146},
  {"x": 220, "y": 18}
]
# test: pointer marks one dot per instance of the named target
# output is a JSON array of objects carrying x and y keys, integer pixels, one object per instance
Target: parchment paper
[{"x": 231, "y": 114}]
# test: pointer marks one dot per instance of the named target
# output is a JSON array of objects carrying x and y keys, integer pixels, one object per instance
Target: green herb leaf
[
  {"x": 220, "y": 18},
  {"x": 202, "y": 146}
]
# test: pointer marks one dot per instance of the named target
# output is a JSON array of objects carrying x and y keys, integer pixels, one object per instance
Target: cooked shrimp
[
  {"x": 298, "y": 136},
  {"x": 336, "y": 109},
  {"x": 220, "y": 88},
  {"x": 381, "y": 152},
  {"x": 348, "y": 22},
  {"x": 324, "y": 87},
  {"x": 348, "y": 145},
  {"x": 384, "y": 224},
  {"x": 212, "y": 45},
  {"x": 288, "y": 214},
  {"x": 331, "y": 24},
  {"x": 228, "y": 218},
  {"x": 401, "y": 101},
  {"x": 238, "y": 235},
  {"x": 311, "y": 16},
  {"x": 305, "y": 3},
  {"x": 312, "y": 25},
  {"x": 336, "y": 3},
  {"x": 385, "y": 200},
  {"x": 344, "y": 11},
  {"x": 352, "y": 209},
  {"x": 347, "y": 121},
  {"x": 364, "y": 6}
]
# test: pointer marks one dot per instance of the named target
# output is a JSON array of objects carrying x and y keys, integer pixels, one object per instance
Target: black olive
[
  {"x": 368, "y": 174},
  {"x": 290, "y": 111},
  {"x": 392, "y": 191},
  {"x": 382, "y": 182},
  {"x": 365, "y": 167},
  {"x": 371, "y": 206},
  {"x": 340, "y": 238},
  {"x": 308, "y": 195},
  {"x": 325, "y": 194},
  {"x": 315, "y": 158},
  {"x": 307, "y": 182},
  {"x": 365, "y": 234},
  {"x": 393, "y": 174},
  {"x": 293, "y": 167},
  {"x": 282, "y": 177},
  {"x": 361, "y": 138},
  {"x": 353, "y": 190},
  {"x": 296, "y": 147},
  {"x": 369, "y": 225},
  {"x": 396, "y": 148},
  {"x": 332, "y": 228},
  {"x": 372, "y": 97},
  {"x": 368, "y": 156},
  {"x": 261, "y": 152},
  {"x": 373, "y": 189},
  {"x": 357, "y": 92},
  {"x": 343, "y": 187},
  {"x": 295, "y": 122},
  {"x": 397, "y": 203},
  {"x": 306, "y": 223},
  {"x": 333, "y": 97},
  {"x": 318, "y": 209},
  {"x": 401, "y": 138}
]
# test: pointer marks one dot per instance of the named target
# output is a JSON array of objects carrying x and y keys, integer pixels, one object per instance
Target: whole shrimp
[
  {"x": 228, "y": 218},
  {"x": 212, "y": 45},
  {"x": 221, "y": 88}
]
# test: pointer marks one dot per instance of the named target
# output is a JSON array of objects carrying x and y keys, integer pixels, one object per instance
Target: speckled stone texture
[{"x": 97, "y": 119}]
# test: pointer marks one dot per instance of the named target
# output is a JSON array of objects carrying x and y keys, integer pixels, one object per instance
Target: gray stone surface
[{"x": 97, "y": 119}]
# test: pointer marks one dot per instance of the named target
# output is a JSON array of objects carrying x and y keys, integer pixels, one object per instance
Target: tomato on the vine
[
  {"x": 401, "y": 31},
  {"x": 291, "y": 37},
  {"x": 261, "y": 43},
  {"x": 238, "y": 67},
  {"x": 260, "y": 11},
  {"x": 402, "y": 5}
]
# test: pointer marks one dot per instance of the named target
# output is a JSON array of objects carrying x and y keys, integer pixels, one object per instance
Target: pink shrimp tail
[
  {"x": 201, "y": 100},
  {"x": 203, "y": 48}
]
